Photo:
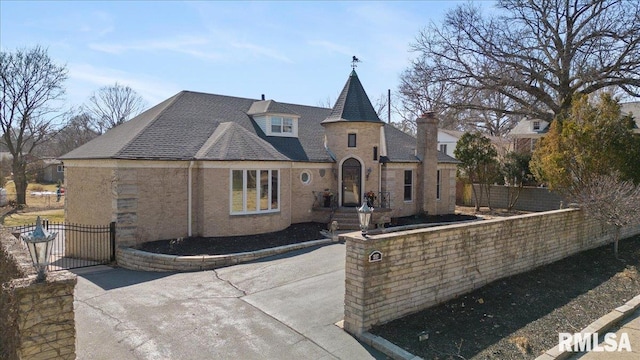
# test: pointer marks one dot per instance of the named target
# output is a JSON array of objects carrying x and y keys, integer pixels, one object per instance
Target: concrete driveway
[{"x": 283, "y": 307}]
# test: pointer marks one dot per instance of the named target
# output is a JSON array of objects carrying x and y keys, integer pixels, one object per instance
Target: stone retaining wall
[
  {"x": 36, "y": 319},
  {"x": 134, "y": 259},
  {"x": 422, "y": 268}
]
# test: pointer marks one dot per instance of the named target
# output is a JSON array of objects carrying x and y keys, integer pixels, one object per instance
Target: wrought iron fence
[
  {"x": 76, "y": 245},
  {"x": 326, "y": 199}
]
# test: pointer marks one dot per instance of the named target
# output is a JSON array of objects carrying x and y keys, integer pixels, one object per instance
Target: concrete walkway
[
  {"x": 631, "y": 327},
  {"x": 283, "y": 307}
]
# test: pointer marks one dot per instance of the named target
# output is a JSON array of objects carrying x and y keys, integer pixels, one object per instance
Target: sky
[{"x": 292, "y": 51}]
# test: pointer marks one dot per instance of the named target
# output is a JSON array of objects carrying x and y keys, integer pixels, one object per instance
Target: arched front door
[{"x": 351, "y": 182}]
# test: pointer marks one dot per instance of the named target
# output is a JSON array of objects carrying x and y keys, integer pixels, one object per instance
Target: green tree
[
  {"x": 516, "y": 172},
  {"x": 593, "y": 140},
  {"x": 30, "y": 84},
  {"x": 478, "y": 163}
]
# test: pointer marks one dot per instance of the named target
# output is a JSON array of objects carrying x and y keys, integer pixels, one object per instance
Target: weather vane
[{"x": 354, "y": 62}]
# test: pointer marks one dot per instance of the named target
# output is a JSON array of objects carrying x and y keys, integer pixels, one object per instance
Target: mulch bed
[
  {"x": 519, "y": 317},
  {"x": 236, "y": 244},
  {"x": 295, "y": 233}
]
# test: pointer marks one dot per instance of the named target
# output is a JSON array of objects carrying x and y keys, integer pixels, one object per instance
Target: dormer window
[
  {"x": 536, "y": 125},
  {"x": 274, "y": 119},
  {"x": 283, "y": 126}
]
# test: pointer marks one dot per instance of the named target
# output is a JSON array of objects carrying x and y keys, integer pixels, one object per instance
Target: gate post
[{"x": 112, "y": 233}]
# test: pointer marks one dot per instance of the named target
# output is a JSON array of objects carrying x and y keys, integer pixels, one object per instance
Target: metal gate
[{"x": 76, "y": 245}]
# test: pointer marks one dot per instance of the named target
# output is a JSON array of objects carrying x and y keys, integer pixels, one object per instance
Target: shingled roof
[
  {"x": 353, "y": 104},
  {"x": 199, "y": 126},
  {"x": 178, "y": 128}
]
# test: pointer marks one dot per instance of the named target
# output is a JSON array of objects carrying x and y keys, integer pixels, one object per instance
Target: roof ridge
[{"x": 215, "y": 136}]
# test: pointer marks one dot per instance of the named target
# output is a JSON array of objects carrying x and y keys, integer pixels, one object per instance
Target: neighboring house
[
  {"x": 448, "y": 140},
  {"x": 211, "y": 165},
  {"x": 527, "y": 133},
  {"x": 632, "y": 108},
  {"x": 50, "y": 171}
]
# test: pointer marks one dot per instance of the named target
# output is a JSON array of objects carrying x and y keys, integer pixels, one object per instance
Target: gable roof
[
  {"x": 353, "y": 104},
  {"x": 524, "y": 128}
]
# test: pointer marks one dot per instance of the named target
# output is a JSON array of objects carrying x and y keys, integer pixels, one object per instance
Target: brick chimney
[{"x": 426, "y": 151}]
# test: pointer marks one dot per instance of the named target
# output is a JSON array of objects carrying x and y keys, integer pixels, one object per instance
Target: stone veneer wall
[
  {"x": 422, "y": 268},
  {"x": 36, "y": 319}
]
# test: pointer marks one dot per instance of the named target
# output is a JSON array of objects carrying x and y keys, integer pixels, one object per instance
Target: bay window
[{"x": 255, "y": 191}]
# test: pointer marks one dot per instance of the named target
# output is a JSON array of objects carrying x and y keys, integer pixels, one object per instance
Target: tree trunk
[
  {"x": 475, "y": 196},
  {"x": 20, "y": 179}
]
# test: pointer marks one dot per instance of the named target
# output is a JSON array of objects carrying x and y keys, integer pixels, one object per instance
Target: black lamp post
[
  {"x": 40, "y": 242},
  {"x": 364, "y": 217}
]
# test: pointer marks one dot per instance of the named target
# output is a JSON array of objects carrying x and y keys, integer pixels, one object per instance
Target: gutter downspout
[{"x": 189, "y": 200}]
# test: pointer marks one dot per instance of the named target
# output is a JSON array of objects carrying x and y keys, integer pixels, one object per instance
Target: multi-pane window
[
  {"x": 536, "y": 125},
  {"x": 443, "y": 148},
  {"x": 408, "y": 185},
  {"x": 254, "y": 191},
  {"x": 351, "y": 140},
  {"x": 281, "y": 125}
]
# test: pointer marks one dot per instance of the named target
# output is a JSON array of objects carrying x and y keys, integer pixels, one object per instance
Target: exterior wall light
[
  {"x": 364, "y": 217},
  {"x": 40, "y": 243}
]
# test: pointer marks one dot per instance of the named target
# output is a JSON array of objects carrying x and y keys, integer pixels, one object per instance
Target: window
[
  {"x": 287, "y": 125},
  {"x": 254, "y": 191},
  {"x": 438, "y": 185},
  {"x": 375, "y": 153},
  {"x": 276, "y": 124},
  {"x": 60, "y": 168},
  {"x": 536, "y": 125},
  {"x": 305, "y": 177},
  {"x": 280, "y": 125},
  {"x": 408, "y": 185},
  {"x": 351, "y": 140},
  {"x": 443, "y": 148}
]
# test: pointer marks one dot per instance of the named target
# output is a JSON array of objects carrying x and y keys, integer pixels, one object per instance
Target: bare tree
[
  {"x": 612, "y": 201},
  {"x": 537, "y": 54},
  {"x": 113, "y": 105},
  {"x": 77, "y": 131},
  {"x": 31, "y": 83}
]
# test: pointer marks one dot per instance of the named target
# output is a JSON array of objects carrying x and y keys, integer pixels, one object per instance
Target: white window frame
[
  {"x": 535, "y": 125},
  {"x": 270, "y": 191},
  {"x": 286, "y": 126},
  {"x": 404, "y": 186},
  {"x": 60, "y": 168},
  {"x": 308, "y": 174}
]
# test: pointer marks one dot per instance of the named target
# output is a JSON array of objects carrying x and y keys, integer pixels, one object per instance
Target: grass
[
  {"x": 45, "y": 206},
  {"x": 23, "y": 218}
]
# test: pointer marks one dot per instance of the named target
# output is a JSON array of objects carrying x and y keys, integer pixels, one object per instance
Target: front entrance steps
[{"x": 347, "y": 218}]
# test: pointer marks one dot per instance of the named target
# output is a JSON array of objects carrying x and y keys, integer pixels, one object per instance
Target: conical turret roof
[{"x": 353, "y": 104}]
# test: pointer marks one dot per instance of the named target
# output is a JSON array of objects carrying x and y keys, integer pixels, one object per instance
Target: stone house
[{"x": 209, "y": 165}]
